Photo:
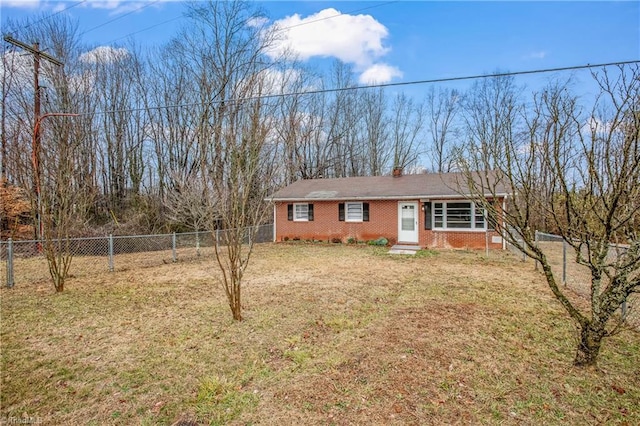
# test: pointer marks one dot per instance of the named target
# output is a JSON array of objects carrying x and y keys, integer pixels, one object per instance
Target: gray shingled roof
[{"x": 426, "y": 186}]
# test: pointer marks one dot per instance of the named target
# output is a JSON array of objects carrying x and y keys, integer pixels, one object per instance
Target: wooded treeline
[
  {"x": 162, "y": 134},
  {"x": 153, "y": 126}
]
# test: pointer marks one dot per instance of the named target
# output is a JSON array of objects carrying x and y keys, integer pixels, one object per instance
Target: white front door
[{"x": 408, "y": 222}]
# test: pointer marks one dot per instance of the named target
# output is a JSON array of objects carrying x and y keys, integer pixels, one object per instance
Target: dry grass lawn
[{"x": 332, "y": 335}]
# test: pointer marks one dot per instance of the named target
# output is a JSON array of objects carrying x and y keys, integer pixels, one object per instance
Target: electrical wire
[
  {"x": 373, "y": 86},
  {"x": 182, "y": 16},
  {"x": 337, "y": 15},
  {"x": 145, "y": 29},
  {"x": 119, "y": 17},
  {"x": 279, "y": 29},
  {"x": 56, "y": 13}
]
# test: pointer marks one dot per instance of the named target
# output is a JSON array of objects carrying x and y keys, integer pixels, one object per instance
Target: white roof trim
[{"x": 387, "y": 197}]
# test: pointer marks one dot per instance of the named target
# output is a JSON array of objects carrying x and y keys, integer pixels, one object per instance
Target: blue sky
[{"x": 389, "y": 41}]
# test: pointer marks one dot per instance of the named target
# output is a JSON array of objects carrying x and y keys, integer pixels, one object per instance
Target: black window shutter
[
  {"x": 365, "y": 212},
  {"x": 427, "y": 215},
  {"x": 341, "y": 211},
  {"x": 310, "y": 213},
  {"x": 289, "y": 211}
]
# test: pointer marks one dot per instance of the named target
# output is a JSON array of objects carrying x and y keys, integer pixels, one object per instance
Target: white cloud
[
  {"x": 257, "y": 22},
  {"x": 354, "y": 39},
  {"x": 58, "y": 5},
  {"x": 536, "y": 55},
  {"x": 104, "y": 54},
  {"x": 22, "y": 4},
  {"x": 379, "y": 73},
  {"x": 105, "y": 4},
  {"x": 596, "y": 126},
  {"x": 115, "y": 6},
  {"x": 278, "y": 82},
  {"x": 119, "y": 7},
  {"x": 19, "y": 67}
]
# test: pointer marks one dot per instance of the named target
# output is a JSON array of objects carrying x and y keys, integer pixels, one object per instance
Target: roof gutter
[{"x": 384, "y": 198}]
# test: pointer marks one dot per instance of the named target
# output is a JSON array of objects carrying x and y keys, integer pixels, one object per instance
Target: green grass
[{"x": 221, "y": 400}]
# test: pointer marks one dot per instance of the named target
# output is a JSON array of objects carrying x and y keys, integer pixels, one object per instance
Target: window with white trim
[
  {"x": 458, "y": 215},
  {"x": 353, "y": 212},
  {"x": 301, "y": 212}
]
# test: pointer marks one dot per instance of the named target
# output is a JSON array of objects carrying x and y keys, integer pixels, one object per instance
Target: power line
[
  {"x": 279, "y": 29},
  {"x": 337, "y": 15},
  {"x": 56, "y": 13},
  {"x": 373, "y": 86},
  {"x": 145, "y": 29},
  {"x": 119, "y": 17},
  {"x": 182, "y": 16}
]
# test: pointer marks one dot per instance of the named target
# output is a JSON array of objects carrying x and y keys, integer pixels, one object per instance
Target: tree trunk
[
  {"x": 59, "y": 284},
  {"x": 237, "y": 313},
  {"x": 591, "y": 336},
  {"x": 236, "y": 308}
]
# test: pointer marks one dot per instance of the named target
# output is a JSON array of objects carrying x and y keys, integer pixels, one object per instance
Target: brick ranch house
[{"x": 429, "y": 210}]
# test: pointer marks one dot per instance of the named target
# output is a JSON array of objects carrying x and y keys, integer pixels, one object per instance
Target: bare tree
[
  {"x": 441, "y": 109},
  {"x": 189, "y": 204},
  {"x": 120, "y": 125},
  {"x": 343, "y": 126},
  {"x": 17, "y": 112},
  {"x": 227, "y": 42},
  {"x": 375, "y": 131},
  {"x": 590, "y": 191},
  {"x": 303, "y": 149},
  {"x": 493, "y": 114},
  {"x": 174, "y": 141},
  {"x": 61, "y": 202},
  {"x": 6, "y": 81},
  {"x": 58, "y": 203},
  {"x": 240, "y": 196},
  {"x": 406, "y": 128}
]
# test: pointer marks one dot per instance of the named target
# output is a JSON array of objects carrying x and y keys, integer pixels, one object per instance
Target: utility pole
[{"x": 35, "y": 149}]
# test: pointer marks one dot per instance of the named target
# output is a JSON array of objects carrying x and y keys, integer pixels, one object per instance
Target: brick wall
[
  {"x": 326, "y": 226},
  {"x": 460, "y": 239},
  {"x": 383, "y": 222}
]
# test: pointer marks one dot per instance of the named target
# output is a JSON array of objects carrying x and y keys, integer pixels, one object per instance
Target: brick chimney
[{"x": 397, "y": 172}]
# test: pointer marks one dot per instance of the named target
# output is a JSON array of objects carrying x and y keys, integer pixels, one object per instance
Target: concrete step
[{"x": 404, "y": 249}]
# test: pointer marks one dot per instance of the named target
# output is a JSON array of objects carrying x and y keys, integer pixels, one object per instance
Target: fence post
[
  {"x": 111, "y": 253},
  {"x": 9, "y": 263},
  {"x": 197, "y": 243},
  {"x": 564, "y": 262},
  {"x": 173, "y": 247},
  {"x": 536, "y": 243}
]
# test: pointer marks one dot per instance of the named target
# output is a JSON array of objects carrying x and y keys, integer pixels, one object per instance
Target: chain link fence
[
  {"x": 23, "y": 262},
  {"x": 569, "y": 273}
]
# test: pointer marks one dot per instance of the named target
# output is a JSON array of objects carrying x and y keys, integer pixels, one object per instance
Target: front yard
[{"x": 332, "y": 335}]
